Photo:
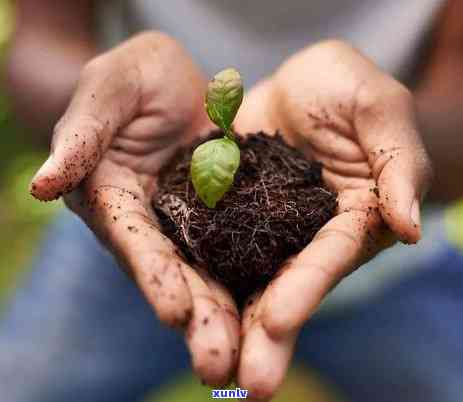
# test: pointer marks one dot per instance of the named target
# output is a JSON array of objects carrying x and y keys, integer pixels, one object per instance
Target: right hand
[
  {"x": 337, "y": 107},
  {"x": 133, "y": 108}
]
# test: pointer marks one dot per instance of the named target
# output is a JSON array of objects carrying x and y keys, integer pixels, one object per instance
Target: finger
[
  {"x": 340, "y": 167},
  {"x": 106, "y": 99},
  {"x": 113, "y": 204},
  {"x": 355, "y": 100},
  {"x": 264, "y": 361},
  {"x": 294, "y": 295},
  {"x": 253, "y": 114},
  {"x": 385, "y": 121},
  {"x": 116, "y": 209},
  {"x": 338, "y": 182},
  {"x": 230, "y": 311},
  {"x": 135, "y": 78},
  {"x": 213, "y": 332}
]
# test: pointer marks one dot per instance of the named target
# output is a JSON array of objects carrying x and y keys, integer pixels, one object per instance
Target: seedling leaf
[
  {"x": 213, "y": 168},
  {"x": 223, "y": 98}
]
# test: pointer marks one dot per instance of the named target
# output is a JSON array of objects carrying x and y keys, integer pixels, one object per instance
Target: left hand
[
  {"x": 133, "y": 108},
  {"x": 339, "y": 108}
]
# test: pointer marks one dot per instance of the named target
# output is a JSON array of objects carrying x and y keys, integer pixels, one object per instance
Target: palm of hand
[
  {"x": 138, "y": 103},
  {"x": 128, "y": 117},
  {"x": 337, "y": 107}
]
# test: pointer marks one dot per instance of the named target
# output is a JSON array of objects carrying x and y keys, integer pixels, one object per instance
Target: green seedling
[{"x": 215, "y": 162}]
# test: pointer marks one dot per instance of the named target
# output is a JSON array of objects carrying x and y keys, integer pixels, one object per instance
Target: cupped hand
[
  {"x": 132, "y": 109},
  {"x": 337, "y": 107}
]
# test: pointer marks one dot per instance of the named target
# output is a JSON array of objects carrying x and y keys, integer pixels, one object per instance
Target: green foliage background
[{"x": 22, "y": 220}]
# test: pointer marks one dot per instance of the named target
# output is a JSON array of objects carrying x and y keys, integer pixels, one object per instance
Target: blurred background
[{"x": 23, "y": 219}]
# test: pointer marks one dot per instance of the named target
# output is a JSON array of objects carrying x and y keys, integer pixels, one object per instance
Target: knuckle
[
  {"x": 101, "y": 68},
  {"x": 397, "y": 92},
  {"x": 173, "y": 316},
  {"x": 175, "y": 312},
  {"x": 374, "y": 95},
  {"x": 368, "y": 98},
  {"x": 279, "y": 325},
  {"x": 93, "y": 68}
]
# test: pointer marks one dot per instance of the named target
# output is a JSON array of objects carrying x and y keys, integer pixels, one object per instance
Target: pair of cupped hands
[{"x": 135, "y": 105}]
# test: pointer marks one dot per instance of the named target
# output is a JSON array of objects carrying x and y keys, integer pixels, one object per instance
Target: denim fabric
[
  {"x": 79, "y": 331},
  {"x": 402, "y": 346}
]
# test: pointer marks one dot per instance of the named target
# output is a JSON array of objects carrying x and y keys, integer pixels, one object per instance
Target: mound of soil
[{"x": 275, "y": 207}]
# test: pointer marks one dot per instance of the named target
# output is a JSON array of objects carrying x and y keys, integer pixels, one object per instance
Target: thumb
[
  {"x": 388, "y": 133},
  {"x": 402, "y": 184},
  {"x": 106, "y": 99}
]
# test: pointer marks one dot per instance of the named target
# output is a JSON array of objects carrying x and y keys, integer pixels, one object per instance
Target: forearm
[
  {"x": 441, "y": 123},
  {"x": 439, "y": 96},
  {"x": 46, "y": 53}
]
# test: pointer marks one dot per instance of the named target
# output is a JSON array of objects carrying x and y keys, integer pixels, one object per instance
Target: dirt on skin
[{"x": 275, "y": 207}]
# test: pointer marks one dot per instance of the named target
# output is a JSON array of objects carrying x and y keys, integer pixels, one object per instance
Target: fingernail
[
  {"x": 41, "y": 188},
  {"x": 415, "y": 213}
]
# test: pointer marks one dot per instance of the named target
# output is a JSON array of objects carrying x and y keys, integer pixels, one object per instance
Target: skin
[
  {"x": 125, "y": 121},
  {"x": 129, "y": 115},
  {"x": 134, "y": 105},
  {"x": 361, "y": 124}
]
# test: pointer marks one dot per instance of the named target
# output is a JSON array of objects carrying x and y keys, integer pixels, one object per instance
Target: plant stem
[{"x": 229, "y": 134}]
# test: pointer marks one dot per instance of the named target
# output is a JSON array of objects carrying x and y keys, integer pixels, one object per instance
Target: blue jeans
[{"x": 79, "y": 331}]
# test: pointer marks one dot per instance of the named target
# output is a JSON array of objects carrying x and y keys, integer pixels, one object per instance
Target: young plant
[{"x": 215, "y": 162}]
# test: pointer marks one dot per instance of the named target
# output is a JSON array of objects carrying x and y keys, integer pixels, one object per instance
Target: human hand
[
  {"x": 336, "y": 106},
  {"x": 132, "y": 109}
]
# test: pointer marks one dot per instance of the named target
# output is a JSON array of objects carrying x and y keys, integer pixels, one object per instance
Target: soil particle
[
  {"x": 277, "y": 204},
  {"x": 156, "y": 280}
]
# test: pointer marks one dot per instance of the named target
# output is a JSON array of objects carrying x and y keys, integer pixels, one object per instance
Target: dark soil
[{"x": 276, "y": 206}]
